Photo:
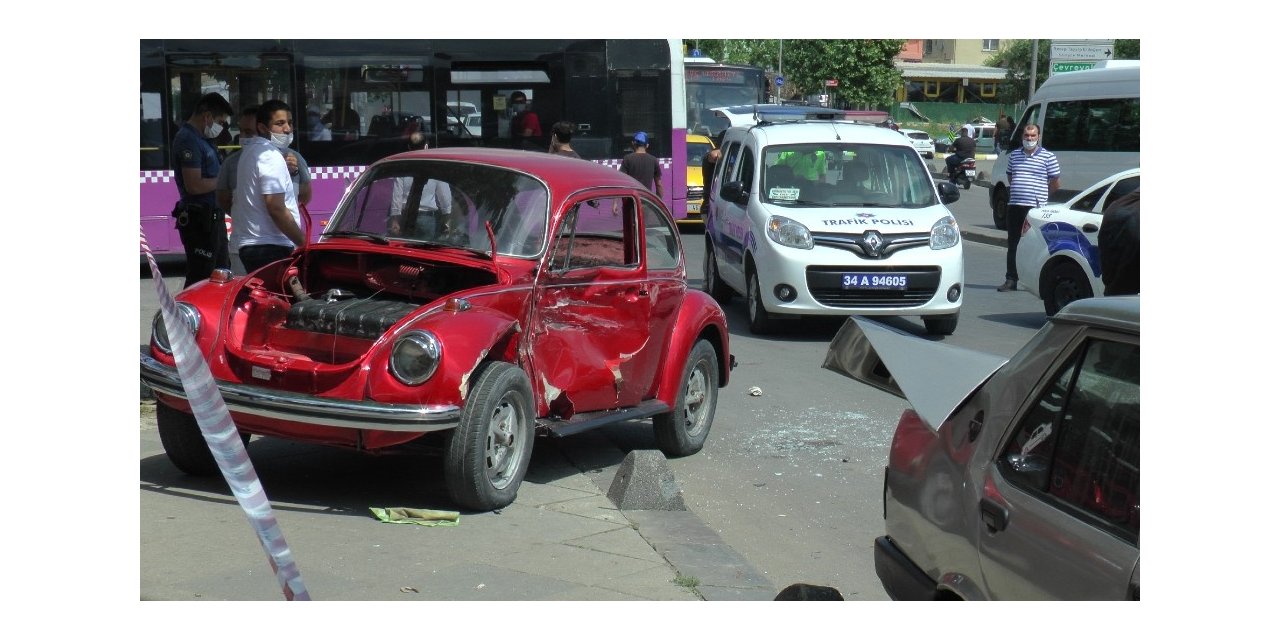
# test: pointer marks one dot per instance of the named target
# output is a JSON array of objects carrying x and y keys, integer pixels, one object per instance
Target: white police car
[
  {"x": 920, "y": 140},
  {"x": 816, "y": 216},
  {"x": 1058, "y": 258}
]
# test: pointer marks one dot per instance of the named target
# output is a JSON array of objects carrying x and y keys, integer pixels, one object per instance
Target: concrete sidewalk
[
  {"x": 968, "y": 229},
  {"x": 563, "y": 539}
]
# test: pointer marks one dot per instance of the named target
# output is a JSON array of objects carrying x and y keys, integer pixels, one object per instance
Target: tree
[{"x": 863, "y": 69}]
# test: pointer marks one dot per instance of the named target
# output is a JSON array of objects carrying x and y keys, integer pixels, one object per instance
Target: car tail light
[
  {"x": 911, "y": 441},
  {"x": 1026, "y": 226}
]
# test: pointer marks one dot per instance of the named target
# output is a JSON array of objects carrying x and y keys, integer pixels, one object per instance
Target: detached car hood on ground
[{"x": 934, "y": 377}]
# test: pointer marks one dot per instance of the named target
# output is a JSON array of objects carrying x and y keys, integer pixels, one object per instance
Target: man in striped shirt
[{"x": 1033, "y": 175}]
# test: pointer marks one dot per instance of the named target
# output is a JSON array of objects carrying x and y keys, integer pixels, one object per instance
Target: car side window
[
  {"x": 1078, "y": 445},
  {"x": 661, "y": 247},
  {"x": 730, "y": 165},
  {"x": 1122, "y": 189},
  {"x": 1088, "y": 202},
  {"x": 598, "y": 232}
]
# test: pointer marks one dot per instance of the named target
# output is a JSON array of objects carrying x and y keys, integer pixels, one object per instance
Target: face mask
[
  {"x": 282, "y": 140},
  {"x": 1028, "y": 145},
  {"x": 212, "y": 131},
  {"x": 518, "y": 107}
]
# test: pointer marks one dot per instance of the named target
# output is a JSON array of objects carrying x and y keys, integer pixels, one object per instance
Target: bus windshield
[{"x": 708, "y": 86}]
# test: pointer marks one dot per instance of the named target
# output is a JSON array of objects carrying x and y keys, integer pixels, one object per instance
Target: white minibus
[{"x": 1089, "y": 119}]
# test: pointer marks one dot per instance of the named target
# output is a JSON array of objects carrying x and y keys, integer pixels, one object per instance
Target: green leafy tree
[{"x": 863, "y": 69}]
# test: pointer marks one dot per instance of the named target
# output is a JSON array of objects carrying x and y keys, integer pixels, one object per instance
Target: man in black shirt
[
  {"x": 642, "y": 166},
  {"x": 1118, "y": 246},
  {"x": 964, "y": 147}
]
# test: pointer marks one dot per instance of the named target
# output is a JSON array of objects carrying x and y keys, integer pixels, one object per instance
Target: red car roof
[{"x": 563, "y": 175}]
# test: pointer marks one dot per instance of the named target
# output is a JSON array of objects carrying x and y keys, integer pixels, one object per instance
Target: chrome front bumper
[{"x": 308, "y": 409}]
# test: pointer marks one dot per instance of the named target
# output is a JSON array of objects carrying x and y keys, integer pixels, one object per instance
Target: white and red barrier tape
[{"x": 224, "y": 441}]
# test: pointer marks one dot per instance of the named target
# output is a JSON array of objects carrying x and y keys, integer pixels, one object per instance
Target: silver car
[{"x": 1011, "y": 480}]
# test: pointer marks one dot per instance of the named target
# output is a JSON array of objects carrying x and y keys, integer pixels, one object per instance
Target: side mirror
[
  {"x": 948, "y": 192},
  {"x": 735, "y": 192}
]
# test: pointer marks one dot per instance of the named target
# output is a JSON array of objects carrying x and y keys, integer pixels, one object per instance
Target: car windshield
[
  {"x": 845, "y": 175},
  {"x": 696, "y": 150},
  {"x": 433, "y": 202}
]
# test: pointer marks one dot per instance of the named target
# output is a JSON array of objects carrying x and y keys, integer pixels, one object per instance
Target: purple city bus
[{"x": 356, "y": 101}]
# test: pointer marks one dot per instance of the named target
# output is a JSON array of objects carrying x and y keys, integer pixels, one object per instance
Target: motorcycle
[{"x": 964, "y": 173}]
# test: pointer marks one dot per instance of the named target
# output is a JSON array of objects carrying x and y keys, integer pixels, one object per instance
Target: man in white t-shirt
[{"x": 266, "y": 224}]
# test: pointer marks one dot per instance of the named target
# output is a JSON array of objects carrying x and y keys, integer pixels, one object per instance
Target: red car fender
[
  {"x": 699, "y": 317},
  {"x": 212, "y": 301},
  {"x": 467, "y": 339}
]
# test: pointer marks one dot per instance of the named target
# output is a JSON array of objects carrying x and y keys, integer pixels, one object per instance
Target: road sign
[
  {"x": 1063, "y": 67},
  {"x": 1081, "y": 52},
  {"x": 695, "y": 54},
  {"x": 833, "y": 83},
  {"x": 778, "y": 81}
]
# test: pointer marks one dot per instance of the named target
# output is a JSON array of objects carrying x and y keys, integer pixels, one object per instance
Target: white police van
[
  {"x": 1089, "y": 120},
  {"x": 813, "y": 216}
]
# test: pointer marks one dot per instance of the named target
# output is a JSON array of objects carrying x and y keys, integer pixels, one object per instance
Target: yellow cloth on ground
[{"x": 424, "y": 517}]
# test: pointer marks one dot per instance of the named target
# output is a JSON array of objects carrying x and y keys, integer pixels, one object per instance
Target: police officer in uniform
[{"x": 201, "y": 223}]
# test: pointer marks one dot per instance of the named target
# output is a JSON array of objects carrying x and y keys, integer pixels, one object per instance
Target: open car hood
[{"x": 934, "y": 377}]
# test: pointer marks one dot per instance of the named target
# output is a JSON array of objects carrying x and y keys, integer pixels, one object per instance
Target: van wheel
[
  {"x": 1000, "y": 207},
  {"x": 761, "y": 321},
  {"x": 941, "y": 325},
  {"x": 1066, "y": 284},
  {"x": 711, "y": 281}
]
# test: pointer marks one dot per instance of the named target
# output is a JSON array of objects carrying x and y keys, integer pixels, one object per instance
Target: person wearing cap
[{"x": 641, "y": 165}]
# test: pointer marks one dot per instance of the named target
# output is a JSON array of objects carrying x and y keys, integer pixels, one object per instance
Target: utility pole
[
  {"x": 1035, "y": 65},
  {"x": 778, "y": 93}
]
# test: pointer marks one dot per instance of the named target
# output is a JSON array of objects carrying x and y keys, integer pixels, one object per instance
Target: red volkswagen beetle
[{"x": 465, "y": 297}]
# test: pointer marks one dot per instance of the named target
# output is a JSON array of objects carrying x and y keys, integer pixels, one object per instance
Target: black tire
[
  {"x": 1066, "y": 283},
  {"x": 941, "y": 325},
  {"x": 711, "y": 282},
  {"x": 684, "y": 430},
  {"x": 1000, "y": 207},
  {"x": 760, "y": 321},
  {"x": 489, "y": 451},
  {"x": 967, "y": 184},
  {"x": 184, "y": 444}
]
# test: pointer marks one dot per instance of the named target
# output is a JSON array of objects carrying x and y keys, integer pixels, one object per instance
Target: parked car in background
[
  {"x": 1058, "y": 258},
  {"x": 696, "y": 146},
  {"x": 822, "y": 217},
  {"x": 920, "y": 140},
  {"x": 1014, "y": 480},
  {"x": 459, "y": 300}
]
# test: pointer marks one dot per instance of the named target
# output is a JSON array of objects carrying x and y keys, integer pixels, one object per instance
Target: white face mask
[
  {"x": 282, "y": 140},
  {"x": 1028, "y": 145},
  {"x": 214, "y": 130}
]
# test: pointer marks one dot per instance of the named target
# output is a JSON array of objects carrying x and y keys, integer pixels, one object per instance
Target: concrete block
[{"x": 644, "y": 481}]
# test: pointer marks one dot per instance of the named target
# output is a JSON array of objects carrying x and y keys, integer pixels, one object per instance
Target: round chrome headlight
[
  {"x": 160, "y": 334},
  {"x": 415, "y": 357}
]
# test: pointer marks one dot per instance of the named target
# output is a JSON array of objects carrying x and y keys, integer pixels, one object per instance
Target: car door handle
[
  {"x": 1090, "y": 227},
  {"x": 994, "y": 515}
]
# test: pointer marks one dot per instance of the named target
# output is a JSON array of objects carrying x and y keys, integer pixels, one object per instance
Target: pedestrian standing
[
  {"x": 265, "y": 204},
  {"x": 561, "y": 134},
  {"x": 526, "y": 129},
  {"x": 641, "y": 165},
  {"x": 201, "y": 223},
  {"x": 299, "y": 171},
  {"x": 709, "y": 160},
  {"x": 1004, "y": 126},
  {"x": 1033, "y": 176}
]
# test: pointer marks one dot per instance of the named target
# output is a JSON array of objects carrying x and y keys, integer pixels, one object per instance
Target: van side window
[
  {"x": 1110, "y": 124},
  {"x": 730, "y": 162}
]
